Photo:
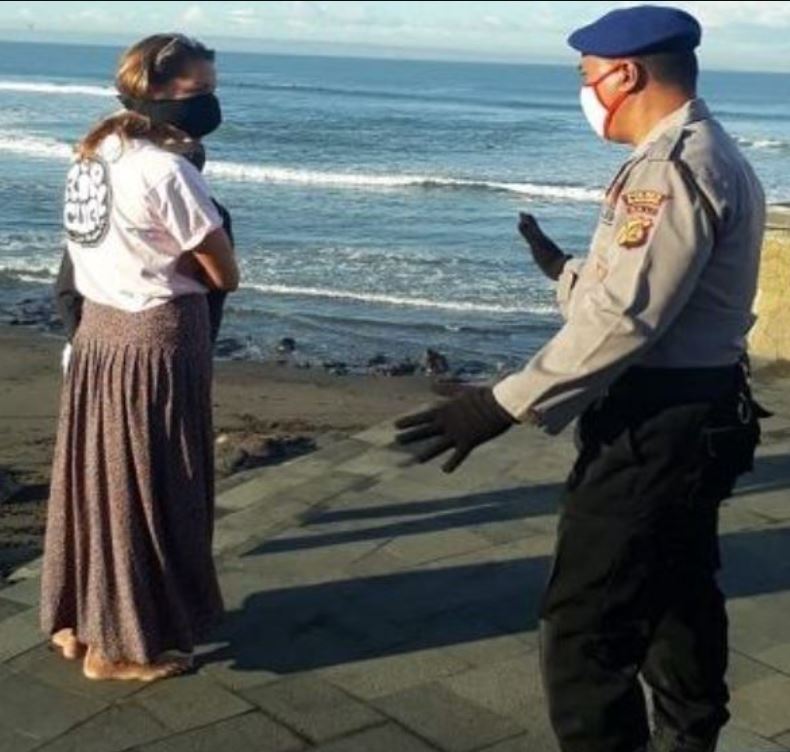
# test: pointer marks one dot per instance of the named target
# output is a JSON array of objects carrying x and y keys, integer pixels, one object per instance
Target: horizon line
[{"x": 339, "y": 50}]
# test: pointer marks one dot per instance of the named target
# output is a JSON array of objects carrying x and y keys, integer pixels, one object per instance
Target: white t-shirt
[{"x": 129, "y": 213}]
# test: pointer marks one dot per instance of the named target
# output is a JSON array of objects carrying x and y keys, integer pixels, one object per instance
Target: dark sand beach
[{"x": 263, "y": 413}]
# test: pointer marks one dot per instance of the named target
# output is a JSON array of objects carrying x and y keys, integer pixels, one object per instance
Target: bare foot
[
  {"x": 70, "y": 647},
  {"x": 95, "y": 666}
]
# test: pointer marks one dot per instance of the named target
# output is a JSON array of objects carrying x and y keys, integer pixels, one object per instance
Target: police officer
[{"x": 650, "y": 360}]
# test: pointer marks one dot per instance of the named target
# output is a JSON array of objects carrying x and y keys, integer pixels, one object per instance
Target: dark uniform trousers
[{"x": 633, "y": 587}]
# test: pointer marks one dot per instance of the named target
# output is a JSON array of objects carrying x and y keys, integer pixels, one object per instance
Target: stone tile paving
[{"x": 374, "y": 606}]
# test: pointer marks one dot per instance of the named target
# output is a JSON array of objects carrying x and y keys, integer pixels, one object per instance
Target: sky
[{"x": 737, "y": 35}]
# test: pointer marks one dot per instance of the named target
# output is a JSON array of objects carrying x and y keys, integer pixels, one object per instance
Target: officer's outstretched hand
[
  {"x": 547, "y": 255},
  {"x": 460, "y": 424}
]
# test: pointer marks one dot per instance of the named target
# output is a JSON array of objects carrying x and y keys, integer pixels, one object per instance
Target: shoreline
[
  {"x": 36, "y": 310},
  {"x": 264, "y": 413}
]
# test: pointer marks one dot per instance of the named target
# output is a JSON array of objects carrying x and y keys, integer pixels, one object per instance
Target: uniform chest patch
[
  {"x": 86, "y": 209},
  {"x": 635, "y": 232},
  {"x": 644, "y": 202}
]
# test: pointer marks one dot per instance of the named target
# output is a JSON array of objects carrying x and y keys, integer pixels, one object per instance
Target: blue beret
[{"x": 641, "y": 30}]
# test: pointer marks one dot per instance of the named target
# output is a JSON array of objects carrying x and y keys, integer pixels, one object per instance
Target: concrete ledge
[{"x": 778, "y": 217}]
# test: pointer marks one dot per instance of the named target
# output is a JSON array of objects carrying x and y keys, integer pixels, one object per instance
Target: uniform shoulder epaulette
[{"x": 666, "y": 147}]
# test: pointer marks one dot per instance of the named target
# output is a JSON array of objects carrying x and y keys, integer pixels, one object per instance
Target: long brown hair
[{"x": 150, "y": 64}]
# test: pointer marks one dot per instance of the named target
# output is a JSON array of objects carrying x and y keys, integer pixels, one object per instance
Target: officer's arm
[
  {"x": 557, "y": 265},
  {"x": 663, "y": 240},
  {"x": 566, "y": 284}
]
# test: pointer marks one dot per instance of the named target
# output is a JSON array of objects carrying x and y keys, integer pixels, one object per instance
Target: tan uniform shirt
[{"x": 670, "y": 277}]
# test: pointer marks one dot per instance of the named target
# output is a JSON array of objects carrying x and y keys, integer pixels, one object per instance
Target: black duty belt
[{"x": 677, "y": 385}]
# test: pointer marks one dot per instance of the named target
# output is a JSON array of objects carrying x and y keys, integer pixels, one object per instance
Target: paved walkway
[{"x": 374, "y": 607}]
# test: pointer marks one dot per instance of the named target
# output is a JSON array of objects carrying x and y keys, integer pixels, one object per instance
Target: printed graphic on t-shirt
[{"x": 86, "y": 212}]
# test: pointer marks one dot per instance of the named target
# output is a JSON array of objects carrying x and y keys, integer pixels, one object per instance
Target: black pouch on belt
[{"x": 732, "y": 433}]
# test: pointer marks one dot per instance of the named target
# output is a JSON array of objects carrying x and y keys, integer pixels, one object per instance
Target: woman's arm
[{"x": 217, "y": 261}]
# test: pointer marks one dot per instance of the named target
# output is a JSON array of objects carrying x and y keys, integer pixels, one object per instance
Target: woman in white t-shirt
[{"x": 128, "y": 575}]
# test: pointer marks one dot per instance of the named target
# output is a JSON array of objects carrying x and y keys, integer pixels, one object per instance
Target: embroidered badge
[
  {"x": 635, "y": 232},
  {"x": 644, "y": 202}
]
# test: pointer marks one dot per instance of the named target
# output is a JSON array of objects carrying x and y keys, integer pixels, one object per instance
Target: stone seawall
[{"x": 770, "y": 339}]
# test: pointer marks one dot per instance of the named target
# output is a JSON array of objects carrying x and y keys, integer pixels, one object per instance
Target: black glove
[
  {"x": 547, "y": 255},
  {"x": 461, "y": 424}
]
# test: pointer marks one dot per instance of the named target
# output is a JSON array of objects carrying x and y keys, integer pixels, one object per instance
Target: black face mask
[{"x": 197, "y": 116}]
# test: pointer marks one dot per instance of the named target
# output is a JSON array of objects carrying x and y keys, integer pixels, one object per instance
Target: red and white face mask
[{"x": 597, "y": 113}]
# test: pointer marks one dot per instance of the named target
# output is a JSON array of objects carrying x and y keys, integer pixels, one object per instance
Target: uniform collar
[{"x": 694, "y": 110}]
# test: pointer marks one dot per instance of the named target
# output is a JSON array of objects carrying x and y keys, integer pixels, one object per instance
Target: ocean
[{"x": 375, "y": 202}]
